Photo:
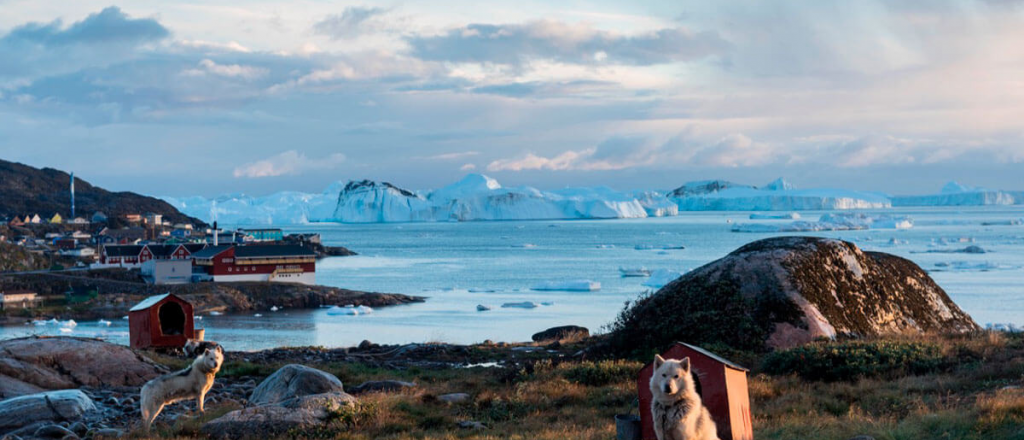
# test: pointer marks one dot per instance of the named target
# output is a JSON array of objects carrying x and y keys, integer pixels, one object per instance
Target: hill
[{"x": 26, "y": 190}]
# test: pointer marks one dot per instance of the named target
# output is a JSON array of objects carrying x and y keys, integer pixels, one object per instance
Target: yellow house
[{"x": 57, "y": 219}]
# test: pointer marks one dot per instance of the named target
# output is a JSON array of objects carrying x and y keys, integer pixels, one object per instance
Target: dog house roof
[
  {"x": 713, "y": 356},
  {"x": 149, "y": 302}
]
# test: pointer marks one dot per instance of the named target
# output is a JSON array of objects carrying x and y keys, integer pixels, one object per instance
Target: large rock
[
  {"x": 294, "y": 380},
  {"x": 290, "y": 415},
  {"x": 57, "y": 406},
  {"x": 562, "y": 332},
  {"x": 784, "y": 291},
  {"x": 34, "y": 364}
]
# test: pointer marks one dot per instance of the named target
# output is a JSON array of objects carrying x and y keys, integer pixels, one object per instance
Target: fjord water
[{"x": 460, "y": 265}]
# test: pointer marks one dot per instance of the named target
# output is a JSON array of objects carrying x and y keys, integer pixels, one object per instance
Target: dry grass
[{"x": 976, "y": 395}]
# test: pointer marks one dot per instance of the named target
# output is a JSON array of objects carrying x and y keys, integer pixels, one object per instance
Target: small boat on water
[{"x": 638, "y": 272}]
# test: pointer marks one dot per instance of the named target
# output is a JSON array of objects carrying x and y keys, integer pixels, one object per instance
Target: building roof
[
  {"x": 210, "y": 251},
  {"x": 162, "y": 250},
  {"x": 149, "y": 302},
  {"x": 273, "y": 250},
  {"x": 122, "y": 250},
  {"x": 711, "y": 355}
]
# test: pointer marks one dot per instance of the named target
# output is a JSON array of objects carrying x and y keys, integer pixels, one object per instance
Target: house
[
  {"x": 264, "y": 234},
  {"x": 162, "y": 321},
  {"x": 16, "y": 222},
  {"x": 79, "y": 252},
  {"x": 78, "y": 221},
  {"x": 99, "y": 217},
  {"x": 121, "y": 236},
  {"x": 167, "y": 271},
  {"x": 133, "y": 218},
  {"x": 65, "y": 243},
  {"x": 34, "y": 219},
  {"x": 56, "y": 219},
  {"x": 124, "y": 255},
  {"x": 278, "y": 263},
  {"x": 153, "y": 219},
  {"x": 721, "y": 384},
  {"x": 19, "y": 299},
  {"x": 181, "y": 233}
]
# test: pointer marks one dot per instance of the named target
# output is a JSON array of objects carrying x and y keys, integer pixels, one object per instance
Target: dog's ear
[
  {"x": 658, "y": 360},
  {"x": 685, "y": 364},
  {"x": 206, "y": 352}
]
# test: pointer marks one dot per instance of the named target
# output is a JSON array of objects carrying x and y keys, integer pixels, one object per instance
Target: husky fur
[
  {"x": 676, "y": 408},
  {"x": 192, "y": 382}
]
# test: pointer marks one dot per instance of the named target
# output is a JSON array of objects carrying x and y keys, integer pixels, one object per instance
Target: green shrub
[
  {"x": 835, "y": 361},
  {"x": 601, "y": 373}
]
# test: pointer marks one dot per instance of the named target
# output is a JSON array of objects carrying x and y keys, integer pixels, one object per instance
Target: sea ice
[
  {"x": 660, "y": 277},
  {"x": 520, "y": 305},
  {"x": 571, "y": 285}
]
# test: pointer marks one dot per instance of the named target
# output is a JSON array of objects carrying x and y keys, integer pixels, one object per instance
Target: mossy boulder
[{"x": 785, "y": 291}]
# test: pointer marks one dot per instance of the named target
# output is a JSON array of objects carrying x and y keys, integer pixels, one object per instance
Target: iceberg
[
  {"x": 660, "y": 277},
  {"x": 956, "y": 194},
  {"x": 839, "y": 221},
  {"x": 103, "y": 323},
  {"x": 482, "y": 308},
  {"x": 521, "y": 305},
  {"x": 349, "y": 310},
  {"x": 571, "y": 286},
  {"x": 720, "y": 195},
  {"x": 789, "y": 216},
  {"x": 637, "y": 272}
]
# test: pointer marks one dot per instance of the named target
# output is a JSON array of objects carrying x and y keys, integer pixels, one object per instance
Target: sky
[{"x": 211, "y": 97}]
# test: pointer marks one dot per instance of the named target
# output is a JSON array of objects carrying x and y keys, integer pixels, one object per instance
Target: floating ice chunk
[
  {"x": 880, "y": 221},
  {"x": 482, "y": 308},
  {"x": 125, "y": 317},
  {"x": 274, "y": 308},
  {"x": 789, "y": 216},
  {"x": 103, "y": 323},
  {"x": 215, "y": 313},
  {"x": 69, "y": 323},
  {"x": 258, "y": 315},
  {"x": 636, "y": 272},
  {"x": 520, "y": 305},
  {"x": 40, "y": 323},
  {"x": 65, "y": 330},
  {"x": 349, "y": 310},
  {"x": 968, "y": 266},
  {"x": 660, "y": 277},
  {"x": 525, "y": 245},
  {"x": 547, "y": 303},
  {"x": 480, "y": 290},
  {"x": 606, "y": 246},
  {"x": 572, "y": 286}
]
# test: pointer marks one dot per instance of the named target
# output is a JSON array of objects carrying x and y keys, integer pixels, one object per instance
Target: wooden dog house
[
  {"x": 721, "y": 384},
  {"x": 161, "y": 321}
]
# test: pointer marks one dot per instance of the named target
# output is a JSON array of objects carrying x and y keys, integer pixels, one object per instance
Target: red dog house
[
  {"x": 161, "y": 321},
  {"x": 722, "y": 386}
]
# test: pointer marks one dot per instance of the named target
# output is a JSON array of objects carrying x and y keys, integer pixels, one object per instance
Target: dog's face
[
  {"x": 671, "y": 378},
  {"x": 213, "y": 358}
]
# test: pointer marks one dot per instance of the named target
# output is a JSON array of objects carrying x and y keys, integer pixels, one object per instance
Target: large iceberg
[
  {"x": 955, "y": 194},
  {"x": 779, "y": 195}
]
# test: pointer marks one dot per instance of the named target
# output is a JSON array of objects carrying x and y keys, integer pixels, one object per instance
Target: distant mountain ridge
[{"x": 26, "y": 190}]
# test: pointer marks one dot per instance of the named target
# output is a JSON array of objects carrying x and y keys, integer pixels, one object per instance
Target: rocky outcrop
[
  {"x": 294, "y": 398},
  {"x": 34, "y": 364},
  {"x": 294, "y": 380},
  {"x": 51, "y": 406},
  {"x": 784, "y": 291},
  {"x": 561, "y": 332},
  {"x": 381, "y": 386}
]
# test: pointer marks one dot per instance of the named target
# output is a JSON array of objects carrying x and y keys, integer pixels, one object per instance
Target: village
[{"x": 157, "y": 250}]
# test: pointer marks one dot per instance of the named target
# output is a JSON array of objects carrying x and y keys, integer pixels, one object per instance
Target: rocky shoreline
[{"x": 118, "y": 292}]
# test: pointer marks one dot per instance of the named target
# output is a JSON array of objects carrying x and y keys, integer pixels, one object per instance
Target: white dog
[
  {"x": 675, "y": 405},
  {"x": 194, "y": 381}
]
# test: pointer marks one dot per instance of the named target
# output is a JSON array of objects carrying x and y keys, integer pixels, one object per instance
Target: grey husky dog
[
  {"x": 192, "y": 382},
  {"x": 675, "y": 405}
]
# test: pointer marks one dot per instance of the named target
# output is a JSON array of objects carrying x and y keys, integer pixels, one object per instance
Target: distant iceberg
[
  {"x": 660, "y": 277},
  {"x": 720, "y": 195},
  {"x": 521, "y": 305},
  {"x": 837, "y": 221},
  {"x": 571, "y": 286},
  {"x": 787, "y": 216},
  {"x": 956, "y": 194},
  {"x": 349, "y": 310}
]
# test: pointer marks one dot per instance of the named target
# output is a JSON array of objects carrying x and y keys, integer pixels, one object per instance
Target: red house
[
  {"x": 161, "y": 321},
  {"x": 280, "y": 263},
  {"x": 722, "y": 386}
]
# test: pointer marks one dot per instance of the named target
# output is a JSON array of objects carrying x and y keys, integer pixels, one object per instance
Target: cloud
[
  {"x": 208, "y": 66},
  {"x": 467, "y": 167},
  {"x": 290, "y": 162},
  {"x": 565, "y": 161},
  {"x": 348, "y": 24},
  {"x": 734, "y": 150},
  {"x": 570, "y": 43},
  {"x": 110, "y": 25},
  {"x": 454, "y": 156}
]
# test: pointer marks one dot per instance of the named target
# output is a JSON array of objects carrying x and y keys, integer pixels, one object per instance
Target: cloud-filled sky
[{"x": 210, "y": 97}]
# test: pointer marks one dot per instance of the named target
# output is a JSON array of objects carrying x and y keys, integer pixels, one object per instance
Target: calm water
[{"x": 460, "y": 265}]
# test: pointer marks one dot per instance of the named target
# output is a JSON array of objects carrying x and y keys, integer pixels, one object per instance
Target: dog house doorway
[{"x": 172, "y": 319}]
